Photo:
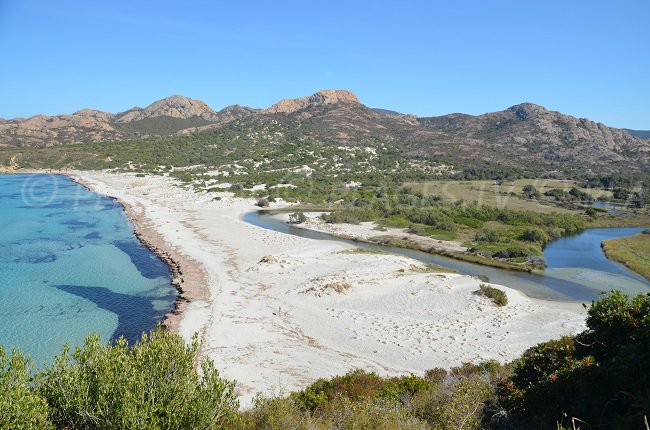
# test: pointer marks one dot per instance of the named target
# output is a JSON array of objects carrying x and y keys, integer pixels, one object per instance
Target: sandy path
[{"x": 277, "y": 311}]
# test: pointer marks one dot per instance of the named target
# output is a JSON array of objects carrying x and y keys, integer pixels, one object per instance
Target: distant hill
[
  {"x": 387, "y": 112},
  {"x": 644, "y": 134},
  {"x": 526, "y": 137}
]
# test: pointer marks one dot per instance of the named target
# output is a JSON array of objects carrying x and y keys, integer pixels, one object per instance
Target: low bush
[
  {"x": 498, "y": 296},
  {"x": 487, "y": 236},
  {"x": 297, "y": 218},
  {"x": 534, "y": 234}
]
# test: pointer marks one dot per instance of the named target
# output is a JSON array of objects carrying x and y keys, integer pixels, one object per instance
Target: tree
[
  {"x": 263, "y": 202},
  {"x": 530, "y": 191}
]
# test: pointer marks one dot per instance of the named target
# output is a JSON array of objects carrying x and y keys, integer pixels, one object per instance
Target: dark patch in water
[
  {"x": 69, "y": 246},
  {"x": 78, "y": 223},
  {"x": 135, "y": 314},
  {"x": 37, "y": 257},
  {"x": 147, "y": 263},
  {"x": 93, "y": 235}
]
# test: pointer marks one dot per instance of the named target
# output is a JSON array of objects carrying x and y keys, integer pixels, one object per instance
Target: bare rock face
[
  {"x": 82, "y": 126},
  {"x": 224, "y": 116},
  {"x": 323, "y": 97},
  {"x": 175, "y": 107}
]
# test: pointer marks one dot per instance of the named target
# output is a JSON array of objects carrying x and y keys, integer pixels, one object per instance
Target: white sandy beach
[{"x": 337, "y": 311}]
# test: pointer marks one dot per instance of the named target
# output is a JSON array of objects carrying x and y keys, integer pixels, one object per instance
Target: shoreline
[
  {"x": 282, "y": 311},
  {"x": 414, "y": 242},
  {"x": 614, "y": 253},
  {"x": 188, "y": 278}
]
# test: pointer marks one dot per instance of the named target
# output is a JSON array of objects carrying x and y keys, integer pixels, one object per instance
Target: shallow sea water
[{"x": 71, "y": 265}]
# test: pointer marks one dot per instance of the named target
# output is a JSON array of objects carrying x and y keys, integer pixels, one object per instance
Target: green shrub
[
  {"x": 498, "y": 296},
  {"x": 358, "y": 385},
  {"x": 535, "y": 234},
  {"x": 459, "y": 405},
  {"x": 297, "y": 218},
  {"x": 152, "y": 385},
  {"x": 395, "y": 221},
  {"x": 436, "y": 375},
  {"x": 20, "y": 407},
  {"x": 488, "y": 236},
  {"x": 600, "y": 376},
  {"x": 277, "y": 413}
]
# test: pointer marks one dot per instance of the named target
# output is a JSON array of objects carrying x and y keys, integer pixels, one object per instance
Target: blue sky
[{"x": 585, "y": 58}]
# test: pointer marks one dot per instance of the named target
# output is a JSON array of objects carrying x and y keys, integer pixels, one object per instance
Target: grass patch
[
  {"x": 436, "y": 233},
  {"x": 432, "y": 268},
  {"x": 631, "y": 251},
  {"x": 395, "y": 222},
  {"x": 362, "y": 251},
  {"x": 497, "y": 296}
]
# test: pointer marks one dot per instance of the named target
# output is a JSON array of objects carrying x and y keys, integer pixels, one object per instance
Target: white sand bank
[{"x": 338, "y": 311}]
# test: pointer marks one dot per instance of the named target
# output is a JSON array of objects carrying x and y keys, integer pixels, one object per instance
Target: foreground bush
[
  {"x": 600, "y": 376},
  {"x": 152, "y": 385},
  {"x": 20, "y": 407}
]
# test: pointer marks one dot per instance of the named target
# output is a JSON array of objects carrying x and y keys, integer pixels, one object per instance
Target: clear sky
[{"x": 588, "y": 58}]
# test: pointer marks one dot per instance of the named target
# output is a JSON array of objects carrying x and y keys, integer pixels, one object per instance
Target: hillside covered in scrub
[{"x": 525, "y": 138}]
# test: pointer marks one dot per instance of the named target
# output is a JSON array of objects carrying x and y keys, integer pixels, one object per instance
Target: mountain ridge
[{"x": 518, "y": 136}]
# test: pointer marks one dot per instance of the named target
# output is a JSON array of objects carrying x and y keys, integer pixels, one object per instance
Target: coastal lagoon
[
  {"x": 577, "y": 270},
  {"x": 70, "y": 265}
]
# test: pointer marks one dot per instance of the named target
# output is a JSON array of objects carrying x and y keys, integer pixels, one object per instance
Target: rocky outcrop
[
  {"x": 324, "y": 97},
  {"x": 175, "y": 107},
  {"x": 532, "y": 135},
  {"x": 82, "y": 126},
  {"x": 224, "y": 116}
]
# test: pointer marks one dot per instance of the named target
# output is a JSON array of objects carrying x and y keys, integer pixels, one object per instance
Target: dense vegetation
[
  {"x": 598, "y": 379},
  {"x": 632, "y": 251},
  {"x": 151, "y": 385},
  {"x": 489, "y": 232}
]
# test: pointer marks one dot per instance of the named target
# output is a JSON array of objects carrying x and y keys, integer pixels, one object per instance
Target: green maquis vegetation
[
  {"x": 632, "y": 251},
  {"x": 151, "y": 385},
  {"x": 512, "y": 236},
  {"x": 598, "y": 379}
]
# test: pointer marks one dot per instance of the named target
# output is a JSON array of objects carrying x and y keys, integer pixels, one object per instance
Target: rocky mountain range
[{"x": 519, "y": 137}]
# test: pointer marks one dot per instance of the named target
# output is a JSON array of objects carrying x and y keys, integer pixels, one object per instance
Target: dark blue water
[
  {"x": 577, "y": 267},
  {"x": 612, "y": 208},
  {"x": 70, "y": 265}
]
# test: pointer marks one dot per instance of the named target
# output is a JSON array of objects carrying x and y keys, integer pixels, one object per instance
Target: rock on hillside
[
  {"x": 531, "y": 134},
  {"x": 175, "y": 107},
  {"x": 83, "y": 125},
  {"x": 324, "y": 97}
]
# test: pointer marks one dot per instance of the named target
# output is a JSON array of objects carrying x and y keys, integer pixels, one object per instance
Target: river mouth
[{"x": 577, "y": 271}]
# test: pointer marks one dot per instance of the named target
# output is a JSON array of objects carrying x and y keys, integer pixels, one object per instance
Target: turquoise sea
[{"x": 71, "y": 265}]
